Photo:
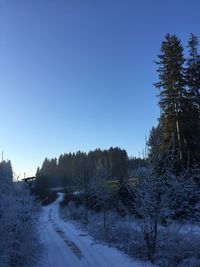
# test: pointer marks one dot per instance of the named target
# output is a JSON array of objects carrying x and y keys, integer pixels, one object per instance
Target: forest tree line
[{"x": 80, "y": 168}]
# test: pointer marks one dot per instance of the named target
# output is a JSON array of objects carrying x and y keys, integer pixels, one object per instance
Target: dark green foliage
[
  {"x": 172, "y": 94},
  {"x": 41, "y": 189},
  {"x": 118, "y": 161},
  {"x": 179, "y": 101},
  {"x": 70, "y": 196},
  {"x": 154, "y": 143},
  {"x": 193, "y": 71},
  {"x": 41, "y": 186},
  {"x": 79, "y": 169},
  {"x": 126, "y": 196},
  {"x": 122, "y": 199},
  {"x": 193, "y": 100},
  {"x": 6, "y": 175},
  {"x": 135, "y": 163}
]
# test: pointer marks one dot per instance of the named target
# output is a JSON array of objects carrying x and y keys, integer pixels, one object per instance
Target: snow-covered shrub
[
  {"x": 126, "y": 237},
  {"x": 191, "y": 262},
  {"x": 18, "y": 216},
  {"x": 163, "y": 194},
  {"x": 175, "y": 248},
  {"x": 26, "y": 241},
  {"x": 74, "y": 212},
  {"x": 162, "y": 200},
  {"x": 96, "y": 225}
]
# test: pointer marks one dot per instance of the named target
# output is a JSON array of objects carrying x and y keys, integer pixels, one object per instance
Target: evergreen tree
[
  {"x": 193, "y": 71},
  {"x": 118, "y": 161},
  {"x": 172, "y": 95},
  {"x": 6, "y": 175},
  {"x": 192, "y": 115},
  {"x": 78, "y": 169}
]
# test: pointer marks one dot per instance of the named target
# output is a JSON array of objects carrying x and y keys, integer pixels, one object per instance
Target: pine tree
[
  {"x": 172, "y": 95},
  {"x": 6, "y": 175},
  {"x": 193, "y": 71},
  {"x": 192, "y": 115}
]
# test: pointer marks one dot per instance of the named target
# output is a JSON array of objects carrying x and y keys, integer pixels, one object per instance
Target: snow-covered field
[{"x": 67, "y": 246}]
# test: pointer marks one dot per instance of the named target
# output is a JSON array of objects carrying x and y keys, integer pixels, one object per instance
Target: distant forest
[{"x": 76, "y": 169}]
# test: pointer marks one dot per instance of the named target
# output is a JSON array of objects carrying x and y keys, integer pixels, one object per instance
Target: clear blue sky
[{"x": 78, "y": 75}]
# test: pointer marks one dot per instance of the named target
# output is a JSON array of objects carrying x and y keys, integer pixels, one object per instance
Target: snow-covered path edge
[{"x": 67, "y": 246}]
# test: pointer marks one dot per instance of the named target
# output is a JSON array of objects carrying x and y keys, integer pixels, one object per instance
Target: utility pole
[{"x": 2, "y": 156}]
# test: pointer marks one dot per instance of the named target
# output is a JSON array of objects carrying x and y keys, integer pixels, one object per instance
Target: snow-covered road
[{"x": 67, "y": 246}]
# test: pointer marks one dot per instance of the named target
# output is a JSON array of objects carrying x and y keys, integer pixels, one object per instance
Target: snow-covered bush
[
  {"x": 18, "y": 216},
  {"x": 76, "y": 213},
  {"x": 98, "y": 229},
  {"x": 176, "y": 247},
  {"x": 162, "y": 200},
  {"x": 26, "y": 237},
  {"x": 163, "y": 196}
]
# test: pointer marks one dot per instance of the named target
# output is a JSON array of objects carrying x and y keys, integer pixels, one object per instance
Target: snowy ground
[{"x": 67, "y": 246}]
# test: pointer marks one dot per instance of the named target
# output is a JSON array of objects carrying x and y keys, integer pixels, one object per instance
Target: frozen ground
[{"x": 67, "y": 246}]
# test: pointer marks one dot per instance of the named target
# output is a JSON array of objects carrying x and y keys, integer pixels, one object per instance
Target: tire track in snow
[{"x": 74, "y": 248}]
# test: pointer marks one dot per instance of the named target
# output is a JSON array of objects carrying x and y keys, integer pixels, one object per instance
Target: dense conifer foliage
[
  {"x": 79, "y": 169},
  {"x": 179, "y": 89}
]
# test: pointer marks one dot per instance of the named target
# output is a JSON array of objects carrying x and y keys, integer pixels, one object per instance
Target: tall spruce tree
[
  {"x": 172, "y": 94},
  {"x": 192, "y": 115},
  {"x": 193, "y": 71}
]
